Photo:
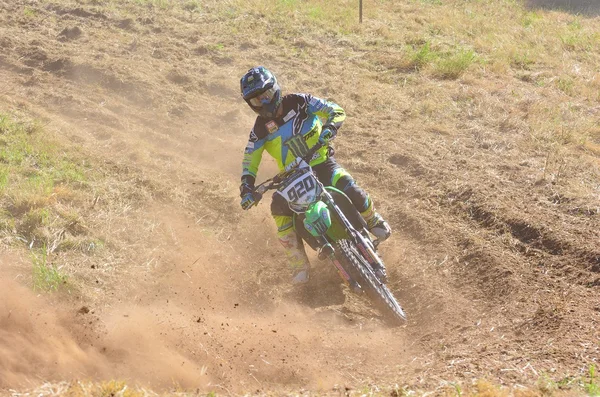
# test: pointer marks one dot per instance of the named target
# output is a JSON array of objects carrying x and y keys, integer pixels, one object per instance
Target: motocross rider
[{"x": 287, "y": 127}]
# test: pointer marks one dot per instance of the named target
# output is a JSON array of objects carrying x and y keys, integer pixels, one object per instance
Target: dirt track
[{"x": 499, "y": 273}]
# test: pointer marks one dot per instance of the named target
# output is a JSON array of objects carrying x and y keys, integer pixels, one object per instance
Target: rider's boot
[
  {"x": 297, "y": 259},
  {"x": 378, "y": 227},
  {"x": 376, "y": 224}
]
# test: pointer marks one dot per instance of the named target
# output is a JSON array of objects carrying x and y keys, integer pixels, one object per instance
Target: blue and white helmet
[{"x": 260, "y": 90}]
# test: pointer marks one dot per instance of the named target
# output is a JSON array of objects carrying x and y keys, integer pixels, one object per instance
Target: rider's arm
[
  {"x": 252, "y": 157},
  {"x": 332, "y": 114}
]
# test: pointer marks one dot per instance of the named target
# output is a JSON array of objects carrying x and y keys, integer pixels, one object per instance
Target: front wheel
[{"x": 360, "y": 270}]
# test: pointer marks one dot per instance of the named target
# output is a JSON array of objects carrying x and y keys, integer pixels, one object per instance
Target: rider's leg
[
  {"x": 332, "y": 174},
  {"x": 292, "y": 243},
  {"x": 375, "y": 222}
]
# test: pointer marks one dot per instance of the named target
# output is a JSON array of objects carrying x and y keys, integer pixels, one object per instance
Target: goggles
[{"x": 264, "y": 98}]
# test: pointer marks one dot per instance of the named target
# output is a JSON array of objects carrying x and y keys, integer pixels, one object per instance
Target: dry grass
[
  {"x": 480, "y": 388},
  {"x": 66, "y": 209}
]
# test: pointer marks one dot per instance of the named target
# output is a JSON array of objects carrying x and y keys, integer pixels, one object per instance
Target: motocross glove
[
  {"x": 246, "y": 188},
  {"x": 327, "y": 134},
  {"x": 248, "y": 201},
  {"x": 249, "y": 196}
]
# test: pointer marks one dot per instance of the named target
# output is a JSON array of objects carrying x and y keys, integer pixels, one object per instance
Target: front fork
[
  {"x": 367, "y": 250},
  {"x": 317, "y": 222},
  {"x": 326, "y": 250}
]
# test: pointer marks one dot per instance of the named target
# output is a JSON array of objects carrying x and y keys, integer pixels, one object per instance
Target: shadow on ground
[{"x": 581, "y": 7}]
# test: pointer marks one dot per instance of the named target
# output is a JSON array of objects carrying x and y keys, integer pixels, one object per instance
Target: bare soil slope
[{"x": 496, "y": 253}]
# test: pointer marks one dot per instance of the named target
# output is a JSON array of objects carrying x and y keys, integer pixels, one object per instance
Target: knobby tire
[{"x": 361, "y": 272}]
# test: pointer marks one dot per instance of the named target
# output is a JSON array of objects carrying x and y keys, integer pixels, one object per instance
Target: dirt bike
[{"x": 325, "y": 218}]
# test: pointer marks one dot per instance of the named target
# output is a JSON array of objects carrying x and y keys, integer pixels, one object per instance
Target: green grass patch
[
  {"x": 420, "y": 57},
  {"x": 3, "y": 178},
  {"x": 40, "y": 187},
  {"x": 522, "y": 60},
  {"x": 453, "y": 65},
  {"x": 530, "y": 19},
  {"x": 46, "y": 277},
  {"x": 339, "y": 16},
  {"x": 591, "y": 385},
  {"x": 316, "y": 13},
  {"x": 31, "y": 168},
  {"x": 446, "y": 65},
  {"x": 30, "y": 12}
]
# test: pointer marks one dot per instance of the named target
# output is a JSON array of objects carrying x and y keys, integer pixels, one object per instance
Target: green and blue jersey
[{"x": 292, "y": 134}]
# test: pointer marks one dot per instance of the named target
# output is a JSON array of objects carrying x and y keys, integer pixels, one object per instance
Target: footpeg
[{"x": 326, "y": 251}]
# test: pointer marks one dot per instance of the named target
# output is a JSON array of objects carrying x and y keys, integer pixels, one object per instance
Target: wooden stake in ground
[{"x": 360, "y": 11}]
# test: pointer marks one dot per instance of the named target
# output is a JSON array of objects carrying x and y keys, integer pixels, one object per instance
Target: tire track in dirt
[{"x": 524, "y": 281}]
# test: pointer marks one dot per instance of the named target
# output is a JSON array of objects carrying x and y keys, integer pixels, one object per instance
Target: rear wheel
[{"x": 360, "y": 270}]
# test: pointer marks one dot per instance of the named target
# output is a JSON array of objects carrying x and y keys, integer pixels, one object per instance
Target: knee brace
[{"x": 343, "y": 181}]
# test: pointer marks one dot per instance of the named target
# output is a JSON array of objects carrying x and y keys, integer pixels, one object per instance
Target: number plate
[{"x": 300, "y": 190}]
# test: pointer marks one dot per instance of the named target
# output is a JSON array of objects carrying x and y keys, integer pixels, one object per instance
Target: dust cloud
[
  {"x": 33, "y": 341},
  {"x": 40, "y": 341}
]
